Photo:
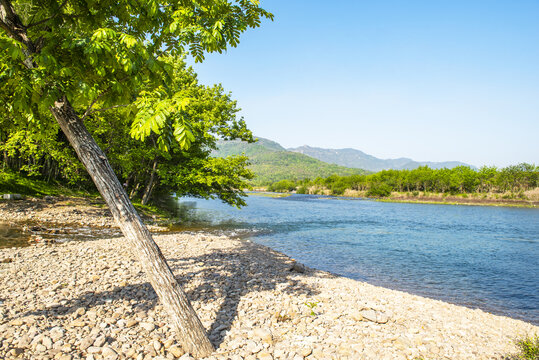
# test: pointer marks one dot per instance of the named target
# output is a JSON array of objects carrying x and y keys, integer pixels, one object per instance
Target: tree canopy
[
  {"x": 104, "y": 54},
  {"x": 119, "y": 65}
]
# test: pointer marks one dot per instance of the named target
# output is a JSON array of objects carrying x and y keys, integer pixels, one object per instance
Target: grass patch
[{"x": 14, "y": 183}]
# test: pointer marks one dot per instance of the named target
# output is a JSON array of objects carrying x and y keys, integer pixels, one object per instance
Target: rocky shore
[
  {"x": 64, "y": 211},
  {"x": 90, "y": 300}
]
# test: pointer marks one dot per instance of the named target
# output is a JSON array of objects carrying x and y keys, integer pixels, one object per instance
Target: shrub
[
  {"x": 338, "y": 188},
  {"x": 283, "y": 185},
  {"x": 379, "y": 190},
  {"x": 528, "y": 349}
]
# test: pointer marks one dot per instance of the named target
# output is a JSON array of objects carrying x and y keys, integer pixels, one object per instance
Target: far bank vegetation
[{"x": 516, "y": 182}]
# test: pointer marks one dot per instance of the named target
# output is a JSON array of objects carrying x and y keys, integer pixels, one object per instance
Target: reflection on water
[
  {"x": 12, "y": 236},
  {"x": 484, "y": 257},
  {"x": 17, "y": 236}
]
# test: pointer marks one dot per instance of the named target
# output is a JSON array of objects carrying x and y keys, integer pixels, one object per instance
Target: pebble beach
[{"x": 91, "y": 300}]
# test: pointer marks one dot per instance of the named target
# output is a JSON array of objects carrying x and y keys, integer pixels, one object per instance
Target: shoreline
[
  {"x": 90, "y": 300},
  {"x": 473, "y": 202},
  {"x": 447, "y": 200}
]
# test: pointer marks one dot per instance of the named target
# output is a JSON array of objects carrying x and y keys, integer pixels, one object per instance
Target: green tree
[
  {"x": 487, "y": 178},
  {"x": 73, "y": 58},
  {"x": 191, "y": 171}
]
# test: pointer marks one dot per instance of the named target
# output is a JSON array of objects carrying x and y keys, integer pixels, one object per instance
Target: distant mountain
[
  {"x": 237, "y": 147},
  {"x": 358, "y": 159},
  {"x": 271, "y": 162}
]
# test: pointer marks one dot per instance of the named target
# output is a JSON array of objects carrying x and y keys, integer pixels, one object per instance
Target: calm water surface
[{"x": 486, "y": 257}]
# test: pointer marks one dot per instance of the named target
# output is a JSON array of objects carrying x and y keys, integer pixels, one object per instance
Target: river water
[{"x": 484, "y": 257}]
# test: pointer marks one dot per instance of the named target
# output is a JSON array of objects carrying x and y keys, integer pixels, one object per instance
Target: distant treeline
[{"x": 459, "y": 180}]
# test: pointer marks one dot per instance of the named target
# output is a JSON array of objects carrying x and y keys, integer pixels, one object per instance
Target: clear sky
[{"x": 429, "y": 80}]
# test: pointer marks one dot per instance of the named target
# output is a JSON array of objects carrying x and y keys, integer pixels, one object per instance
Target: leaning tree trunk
[{"x": 191, "y": 333}]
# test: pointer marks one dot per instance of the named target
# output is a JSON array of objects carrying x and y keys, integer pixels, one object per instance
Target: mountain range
[{"x": 358, "y": 159}]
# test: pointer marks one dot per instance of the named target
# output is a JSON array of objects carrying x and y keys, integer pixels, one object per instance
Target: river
[{"x": 484, "y": 257}]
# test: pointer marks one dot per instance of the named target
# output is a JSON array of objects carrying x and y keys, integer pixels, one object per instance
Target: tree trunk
[
  {"x": 191, "y": 333},
  {"x": 149, "y": 188},
  {"x": 134, "y": 191}
]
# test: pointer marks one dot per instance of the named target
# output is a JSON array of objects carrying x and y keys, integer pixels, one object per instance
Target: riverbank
[
  {"x": 90, "y": 300},
  {"x": 458, "y": 200},
  {"x": 68, "y": 210},
  {"x": 429, "y": 198}
]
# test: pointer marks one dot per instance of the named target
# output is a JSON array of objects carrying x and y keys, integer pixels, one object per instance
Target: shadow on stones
[
  {"x": 223, "y": 276},
  {"x": 228, "y": 276}
]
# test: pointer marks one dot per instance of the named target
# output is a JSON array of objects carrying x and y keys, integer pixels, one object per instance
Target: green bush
[
  {"x": 528, "y": 349},
  {"x": 283, "y": 185},
  {"x": 338, "y": 188},
  {"x": 302, "y": 190},
  {"x": 379, "y": 190}
]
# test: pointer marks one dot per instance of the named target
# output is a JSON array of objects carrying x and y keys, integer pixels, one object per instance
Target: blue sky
[{"x": 429, "y": 80}]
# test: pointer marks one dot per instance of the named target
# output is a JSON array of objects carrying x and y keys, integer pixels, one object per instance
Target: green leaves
[
  {"x": 162, "y": 115},
  {"x": 212, "y": 25},
  {"x": 184, "y": 135},
  {"x": 104, "y": 53}
]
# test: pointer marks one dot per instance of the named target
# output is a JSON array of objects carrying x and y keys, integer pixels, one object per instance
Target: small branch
[
  {"x": 11, "y": 23},
  {"x": 8, "y": 21},
  {"x": 7, "y": 7},
  {"x": 88, "y": 110},
  {"x": 5, "y": 27},
  {"x": 49, "y": 18}
]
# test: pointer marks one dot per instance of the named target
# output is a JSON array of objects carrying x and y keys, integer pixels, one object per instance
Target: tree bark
[
  {"x": 192, "y": 335},
  {"x": 149, "y": 188}
]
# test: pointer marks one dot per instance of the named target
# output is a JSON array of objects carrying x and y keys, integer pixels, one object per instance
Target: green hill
[{"x": 271, "y": 162}]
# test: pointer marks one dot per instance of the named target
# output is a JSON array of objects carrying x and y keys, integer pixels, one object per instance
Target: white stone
[{"x": 147, "y": 326}]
